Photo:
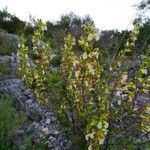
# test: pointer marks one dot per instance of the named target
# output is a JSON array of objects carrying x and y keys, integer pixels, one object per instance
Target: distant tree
[
  {"x": 144, "y": 4},
  {"x": 144, "y": 37},
  {"x": 11, "y": 23},
  {"x": 112, "y": 41},
  {"x": 4, "y": 14},
  {"x": 68, "y": 23}
]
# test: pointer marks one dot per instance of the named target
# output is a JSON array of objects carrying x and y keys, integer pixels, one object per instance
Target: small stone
[
  {"x": 119, "y": 102},
  {"x": 56, "y": 132},
  {"x": 45, "y": 130},
  {"x": 29, "y": 101},
  {"x": 20, "y": 132},
  {"x": 48, "y": 121}
]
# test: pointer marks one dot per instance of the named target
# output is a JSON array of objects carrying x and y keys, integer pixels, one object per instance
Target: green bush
[
  {"x": 56, "y": 60},
  {"x": 4, "y": 69},
  {"x": 2, "y": 32},
  {"x": 4, "y": 50},
  {"x": 8, "y": 43},
  {"x": 55, "y": 87},
  {"x": 83, "y": 94},
  {"x": 10, "y": 121},
  {"x": 40, "y": 145}
]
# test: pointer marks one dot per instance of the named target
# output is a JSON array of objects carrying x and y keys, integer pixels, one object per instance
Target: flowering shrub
[
  {"x": 89, "y": 95},
  {"x": 85, "y": 97},
  {"x": 34, "y": 73},
  {"x": 126, "y": 116},
  {"x": 102, "y": 113}
]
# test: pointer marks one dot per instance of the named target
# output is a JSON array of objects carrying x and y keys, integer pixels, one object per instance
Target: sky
[{"x": 107, "y": 14}]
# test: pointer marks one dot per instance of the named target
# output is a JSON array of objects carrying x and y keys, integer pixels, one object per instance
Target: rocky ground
[{"x": 43, "y": 122}]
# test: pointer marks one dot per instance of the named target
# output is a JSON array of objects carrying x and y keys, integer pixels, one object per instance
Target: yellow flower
[
  {"x": 88, "y": 136},
  {"x": 75, "y": 62},
  {"x": 84, "y": 55},
  {"x": 90, "y": 37},
  {"x": 90, "y": 147},
  {"x": 101, "y": 141},
  {"x": 99, "y": 126},
  {"x": 77, "y": 73}
]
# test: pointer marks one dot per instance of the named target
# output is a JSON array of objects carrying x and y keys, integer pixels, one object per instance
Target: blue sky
[{"x": 107, "y": 14}]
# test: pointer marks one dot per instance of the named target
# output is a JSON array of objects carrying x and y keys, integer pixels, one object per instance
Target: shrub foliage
[
  {"x": 34, "y": 72},
  {"x": 99, "y": 106}
]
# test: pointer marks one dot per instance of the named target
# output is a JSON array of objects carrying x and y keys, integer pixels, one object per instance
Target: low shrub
[
  {"x": 10, "y": 121},
  {"x": 4, "y": 69},
  {"x": 55, "y": 89},
  {"x": 40, "y": 145},
  {"x": 4, "y": 50}
]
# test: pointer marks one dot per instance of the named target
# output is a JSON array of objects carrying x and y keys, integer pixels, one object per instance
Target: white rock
[
  {"x": 48, "y": 121},
  {"x": 45, "y": 130}
]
